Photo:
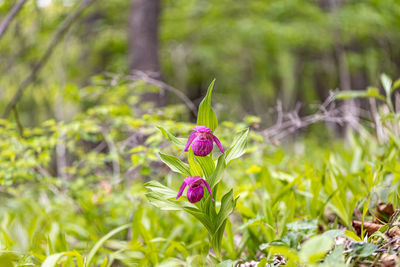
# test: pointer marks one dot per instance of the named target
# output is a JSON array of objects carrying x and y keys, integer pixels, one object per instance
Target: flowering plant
[{"x": 202, "y": 170}]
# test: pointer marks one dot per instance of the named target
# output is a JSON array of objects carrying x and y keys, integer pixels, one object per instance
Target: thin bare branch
[
  {"x": 65, "y": 25},
  {"x": 140, "y": 75},
  {"x": 10, "y": 16},
  {"x": 289, "y": 122}
]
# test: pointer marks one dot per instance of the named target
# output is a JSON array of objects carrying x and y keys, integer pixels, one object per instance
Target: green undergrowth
[{"x": 296, "y": 201}]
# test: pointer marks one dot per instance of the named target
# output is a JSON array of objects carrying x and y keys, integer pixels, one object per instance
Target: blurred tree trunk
[
  {"x": 143, "y": 42},
  {"x": 351, "y": 108}
]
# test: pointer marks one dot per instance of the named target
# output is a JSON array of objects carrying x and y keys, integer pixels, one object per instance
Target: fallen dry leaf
[{"x": 388, "y": 260}]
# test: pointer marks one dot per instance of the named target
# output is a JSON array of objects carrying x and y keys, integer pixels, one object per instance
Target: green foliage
[
  {"x": 206, "y": 116},
  {"x": 290, "y": 200}
]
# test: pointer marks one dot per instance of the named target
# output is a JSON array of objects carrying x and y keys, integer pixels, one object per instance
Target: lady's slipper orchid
[
  {"x": 202, "y": 141},
  {"x": 196, "y": 189}
]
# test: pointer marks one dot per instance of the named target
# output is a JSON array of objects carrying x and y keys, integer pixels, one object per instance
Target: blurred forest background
[
  {"x": 259, "y": 51},
  {"x": 90, "y": 91}
]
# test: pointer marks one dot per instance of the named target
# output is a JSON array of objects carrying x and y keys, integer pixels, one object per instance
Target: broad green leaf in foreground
[
  {"x": 238, "y": 146},
  {"x": 175, "y": 164},
  {"x": 161, "y": 189},
  {"x": 195, "y": 168},
  {"x": 206, "y": 116},
  {"x": 207, "y": 164},
  {"x": 216, "y": 176},
  {"x": 179, "y": 142}
]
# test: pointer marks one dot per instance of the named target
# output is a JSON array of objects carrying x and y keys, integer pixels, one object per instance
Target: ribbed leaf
[
  {"x": 163, "y": 203},
  {"x": 175, "y": 164},
  {"x": 216, "y": 176},
  {"x": 179, "y": 142},
  {"x": 207, "y": 164},
  {"x": 161, "y": 189},
  {"x": 206, "y": 116},
  {"x": 201, "y": 217},
  {"x": 228, "y": 203},
  {"x": 195, "y": 168},
  {"x": 238, "y": 146}
]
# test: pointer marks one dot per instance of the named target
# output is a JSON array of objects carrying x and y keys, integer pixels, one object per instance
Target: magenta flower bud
[
  {"x": 202, "y": 141},
  {"x": 196, "y": 189}
]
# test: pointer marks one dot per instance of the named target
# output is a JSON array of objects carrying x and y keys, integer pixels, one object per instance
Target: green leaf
[
  {"x": 396, "y": 85},
  {"x": 203, "y": 218},
  {"x": 206, "y": 116},
  {"x": 370, "y": 92},
  {"x": 364, "y": 249},
  {"x": 216, "y": 239},
  {"x": 195, "y": 168},
  {"x": 207, "y": 164},
  {"x": 163, "y": 203},
  {"x": 387, "y": 84},
  {"x": 216, "y": 176},
  {"x": 52, "y": 260},
  {"x": 238, "y": 146},
  {"x": 334, "y": 233},
  {"x": 352, "y": 235},
  {"x": 100, "y": 243},
  {"x": 8, "y": 258},
  {"x": 227, "y": 205},
  {"x": 175, "y": 164},
  {"x": 161, "y": 189},
  {"x": 179, "y": 142},
  {"x": 336, "y": 257},
  {"x": 316, "y": 248}
]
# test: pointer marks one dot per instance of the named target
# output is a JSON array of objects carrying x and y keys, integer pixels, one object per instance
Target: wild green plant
[{"x": 201, "y": 164}]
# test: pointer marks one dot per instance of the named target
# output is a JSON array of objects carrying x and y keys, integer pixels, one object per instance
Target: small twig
[
  {"x": 65, "y": 25},
  {"x": 140, "y": 75},
  {"x": 18, "y": 121},
  {"x": 290, "y": 122},
  {"x": 10, "y": 16}
]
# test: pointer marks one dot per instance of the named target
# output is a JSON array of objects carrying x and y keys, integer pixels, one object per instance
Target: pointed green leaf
[
  {"x": 206, "y": 116},
  {"x": 386, "y": 83},
  {"x": 201, "y": 217},
  {"x": 100, "y": 243},
  {"x": 238, "y": 146},
  {"x": 161, "y": 189},
  {"x": 228, "y": 203},
  {"x": 195, "y": 168},
  {"x": 179, "y": 142},
  {"x": 163, "y": 203},
  {"x": 216, "y": 176},
  {"x": 207, "y": 164},
  {"x": 175, "y": 164}
]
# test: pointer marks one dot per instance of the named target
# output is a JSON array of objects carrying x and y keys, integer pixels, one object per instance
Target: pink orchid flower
[
  {"x": 202, "y": 141},
  {"x": 196, "y": 189}
]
